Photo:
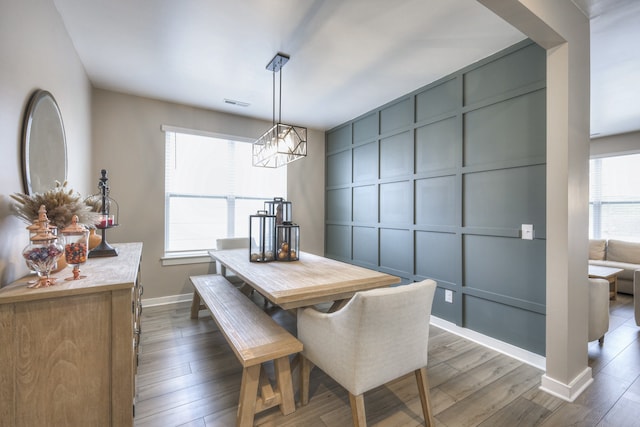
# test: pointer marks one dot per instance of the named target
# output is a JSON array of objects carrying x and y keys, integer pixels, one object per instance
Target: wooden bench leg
[
  {"x": 285, "y": 385},
  {"x": 195, "y": 305},
  {"x": 248, "y": 393}
]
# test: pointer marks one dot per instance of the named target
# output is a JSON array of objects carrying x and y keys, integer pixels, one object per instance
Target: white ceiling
[{"x": 347, "y": 56}]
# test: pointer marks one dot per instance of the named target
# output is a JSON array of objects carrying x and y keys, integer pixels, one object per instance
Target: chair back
[
  {"x": 381, "y": 334},
  {"x": 232, "y": 243}
]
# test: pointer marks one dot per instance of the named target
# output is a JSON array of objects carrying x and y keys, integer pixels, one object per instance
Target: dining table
[{"x": 310, "y": 280}]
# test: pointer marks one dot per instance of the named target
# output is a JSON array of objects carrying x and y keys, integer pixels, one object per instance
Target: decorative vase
[{"x": 94, "y": 239}]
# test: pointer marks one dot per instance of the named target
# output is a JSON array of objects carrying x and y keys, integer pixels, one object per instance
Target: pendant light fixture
[{"x": 282, "y": 143}]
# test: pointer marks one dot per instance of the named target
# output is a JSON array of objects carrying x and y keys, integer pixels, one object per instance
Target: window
[
  {"x": 211, "y": 188},
  {"x": 614, "y": 198}
]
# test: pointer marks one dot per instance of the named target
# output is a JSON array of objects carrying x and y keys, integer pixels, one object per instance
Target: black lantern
[
  {"x": 280, "y": 208},
  {"x": 109, "y": 211},
  {"x": 288, "y": 241},
  {"x": 262, "y": 227}
]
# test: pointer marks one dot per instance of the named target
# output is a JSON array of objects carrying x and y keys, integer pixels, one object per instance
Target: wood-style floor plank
[{"x": 189, "y": 377}]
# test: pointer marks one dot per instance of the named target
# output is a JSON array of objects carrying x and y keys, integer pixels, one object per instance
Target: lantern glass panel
[
  {"x": 288, "y": 242},
  {"x": 280, "y": 208},
  {"x": 262, "y": 237}
]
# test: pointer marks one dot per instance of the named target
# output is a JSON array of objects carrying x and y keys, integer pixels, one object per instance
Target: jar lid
[{"x": 74, "y": 227}]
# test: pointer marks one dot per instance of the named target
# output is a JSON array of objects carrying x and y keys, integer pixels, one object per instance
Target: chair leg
[
  {"x": 305, "y": 372},
  {"x": 357, "y": 410},
  {"x": 601, "y": 340},
  {"x": 423, "y": 389}
]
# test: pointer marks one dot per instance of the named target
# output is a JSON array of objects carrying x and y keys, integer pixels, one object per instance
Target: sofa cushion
[
  {"x": 620, "y": 251},
  {"x": 597, "y": 249}
]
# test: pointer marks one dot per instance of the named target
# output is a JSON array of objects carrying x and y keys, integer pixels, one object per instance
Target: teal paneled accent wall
[{"x": 437, "y": 184}]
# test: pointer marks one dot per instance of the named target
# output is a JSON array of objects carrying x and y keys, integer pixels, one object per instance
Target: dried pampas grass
[{"x": 61, "y": 204}]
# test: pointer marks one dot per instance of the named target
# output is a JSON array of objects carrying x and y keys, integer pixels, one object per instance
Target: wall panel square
[
  {"x": 506, "y": 266},
  {"x": 365, "y": 245},
  {"x": 396, "y": 250},
  {"x": 522, "y": 328},
  {"x": 396, "y": 155},
  {"x": 436, "y": 201},
  {"x": 438, "y": 100},
  {"x": 509, "y": 72},
  {"x": 506, "y": 198},
  {"x": 438, "y": 146},
  {"x": 339, "y": 138},
  {"x": 511, "y": 130},
  {"x": 365, "y": 162},
  {"x": 365, "y": 128},
  {"x": 396, "y": 116},
  {"x": 396, "y": 203},
  {"x": 338, "y": 242},
  {"x": 438, "y": 256},
  {"x": 365, "y": 204},
  {"x": 339, "y": 205},
  {"x": 339, "y": 168}
]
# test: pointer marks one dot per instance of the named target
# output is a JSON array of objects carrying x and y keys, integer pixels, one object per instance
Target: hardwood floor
[{"x": 188, "y": 376}]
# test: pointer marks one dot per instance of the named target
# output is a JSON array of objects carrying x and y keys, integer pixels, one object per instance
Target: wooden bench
[{"x": 255, "y": 338}]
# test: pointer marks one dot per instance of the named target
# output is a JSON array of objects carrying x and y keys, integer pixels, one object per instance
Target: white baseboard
[
  {"x": 171, "y": 299},
  {"x": 570, "y": 391},
  {"x": 510, "y": 350}
]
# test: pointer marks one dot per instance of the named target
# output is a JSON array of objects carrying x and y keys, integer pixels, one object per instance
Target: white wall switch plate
[
  {"x": 527, "y": 231},
  {"x": 448, "y": 296}
]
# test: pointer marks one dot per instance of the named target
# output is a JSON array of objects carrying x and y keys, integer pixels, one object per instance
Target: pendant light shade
[{"x": 282, "y": 143}]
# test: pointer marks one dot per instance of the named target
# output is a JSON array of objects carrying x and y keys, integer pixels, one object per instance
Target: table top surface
[
  {"x": 604, "y": 272},
  {"x": 103, "y": 274},
  {"x": 310, "y": 280}
]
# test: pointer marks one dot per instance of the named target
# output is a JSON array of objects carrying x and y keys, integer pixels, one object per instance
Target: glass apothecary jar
[
  {"x": 288, "y": 241},
  {"x": 76, "y": 246},
  {"x": 262, "y": 237},
  {"x": 42, "y": 254}
]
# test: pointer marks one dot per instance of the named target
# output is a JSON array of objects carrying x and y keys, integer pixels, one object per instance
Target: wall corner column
[{"x": 563, "y": 30}]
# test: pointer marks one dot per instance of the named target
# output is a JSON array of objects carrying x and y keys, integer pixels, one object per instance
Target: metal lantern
[
  {"x": 262, "y": 227},
  {"x": 109, "y": 211},
  {"x": 288, "y": 241},
  {"x": 280, "y": 208}
]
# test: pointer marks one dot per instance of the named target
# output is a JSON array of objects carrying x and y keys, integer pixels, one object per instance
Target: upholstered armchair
[
  {"x": 598, "y": 309},
  {"x": 379, "y": 335}
]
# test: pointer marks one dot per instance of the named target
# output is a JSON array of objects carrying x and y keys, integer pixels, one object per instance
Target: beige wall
[
  {"x": 129, "y": 143},
  {"x": 36, "y": 53}
]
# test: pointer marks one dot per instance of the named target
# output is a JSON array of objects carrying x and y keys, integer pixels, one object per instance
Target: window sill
[{"x": 199, "y": 257}]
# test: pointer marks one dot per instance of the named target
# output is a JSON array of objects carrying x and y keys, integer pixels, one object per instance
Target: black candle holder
[{"x": 109, "y": 218}]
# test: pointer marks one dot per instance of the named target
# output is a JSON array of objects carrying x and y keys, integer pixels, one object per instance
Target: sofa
[{"x": 617, "y": 254}]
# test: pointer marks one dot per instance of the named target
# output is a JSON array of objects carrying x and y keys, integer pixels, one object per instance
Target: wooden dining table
[{"x": 309, "y": 281}]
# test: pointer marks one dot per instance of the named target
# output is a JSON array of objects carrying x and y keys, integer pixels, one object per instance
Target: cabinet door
[{"x": 62, "y": 363}]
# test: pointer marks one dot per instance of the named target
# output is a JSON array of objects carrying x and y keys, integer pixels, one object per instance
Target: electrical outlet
[{"x": 448, "y": 296}]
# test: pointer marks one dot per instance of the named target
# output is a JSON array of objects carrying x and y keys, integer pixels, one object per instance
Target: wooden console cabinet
[{"x": 68, "y": 353}]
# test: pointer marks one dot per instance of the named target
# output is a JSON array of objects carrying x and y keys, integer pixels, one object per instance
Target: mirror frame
[{"x": 43, "y": 131}]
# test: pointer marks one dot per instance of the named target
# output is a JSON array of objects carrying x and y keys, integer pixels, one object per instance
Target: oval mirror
[{"x": 44, "y": 147}]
